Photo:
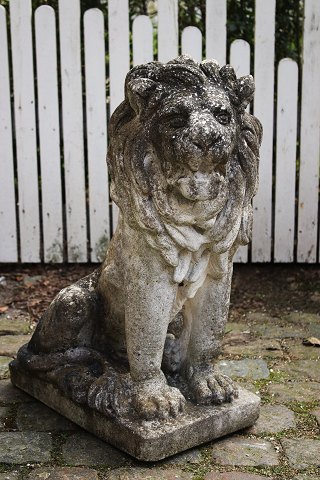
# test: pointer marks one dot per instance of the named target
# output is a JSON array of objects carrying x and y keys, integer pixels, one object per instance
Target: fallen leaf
[{"x": 311, "y": 342}]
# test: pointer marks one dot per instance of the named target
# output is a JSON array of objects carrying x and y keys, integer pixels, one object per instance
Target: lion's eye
[
  {"x": 223, "y": 117},
  {"x": 177, "y": 121}
]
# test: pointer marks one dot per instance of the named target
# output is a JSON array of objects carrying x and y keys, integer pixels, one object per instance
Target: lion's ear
[
  {"x": 245, "y": 90},
  {"x": 139, "y": 92}
]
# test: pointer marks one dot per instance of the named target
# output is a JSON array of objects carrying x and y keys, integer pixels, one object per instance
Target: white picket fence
[{"x": 44, "y": 208}]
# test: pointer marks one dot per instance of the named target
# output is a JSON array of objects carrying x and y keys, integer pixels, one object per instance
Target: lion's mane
[{"x": 141, "y": 191}]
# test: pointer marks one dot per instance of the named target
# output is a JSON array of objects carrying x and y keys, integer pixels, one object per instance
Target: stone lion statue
[{"x": 140, "y": 335}]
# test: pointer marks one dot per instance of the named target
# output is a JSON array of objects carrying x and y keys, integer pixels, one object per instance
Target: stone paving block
[
  {"x": 237, "y": 328},
  {"x": 302, "y": 369},
  {"x": 244, "y": 451},
  {"x": 148, "y": 474},
  {"x": 3, "y": 413},
  {"x": 306, "y": 477},
  {"x": 10, "y": 344},
  {"x": 38, "y": 417},
  {"x": 266, "y": 330},
  {"x": 11, "y": 394},
  {"x": 261, "y": 317},
  {"x": 63, "y": 473},
  {"x": 17, "y": 447},
  {"x": 295, "y": 391},
  {"x": 4, "y": 367},
  {"x": 298, "y": 351},
  {"x": 302, "y": 452},
  {"x": 14, "y": 322},
  {"x": 303, "y": 317},
  {"x": 9, "y": 476},
  {"x": 248, "y": 368},
  {"x": 273, "y": 419},
  {"x": 256, "y": 348},
  {"x": 85, "y": 449},
  {"x": 192, "y": 457},
  {"x": 234, "y": 476},
  {"x": 316, "y": 413}
]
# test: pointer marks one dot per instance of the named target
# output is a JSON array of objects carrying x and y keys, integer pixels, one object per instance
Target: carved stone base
[{"x": 148, "y": 440}]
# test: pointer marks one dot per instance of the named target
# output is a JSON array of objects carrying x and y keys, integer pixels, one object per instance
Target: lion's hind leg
[{"x": 68, "y": 322}]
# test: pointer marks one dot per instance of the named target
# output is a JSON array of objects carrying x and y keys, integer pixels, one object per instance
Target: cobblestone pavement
[{"x": 263, "y": 351}]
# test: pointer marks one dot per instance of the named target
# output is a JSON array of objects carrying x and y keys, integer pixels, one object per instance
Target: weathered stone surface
[
  {"x": 244, "y": 451},
  {"x": 183, "y": 161},
  {"x": 9, "y": 476},
  {"x": 17, "y": 447},
  {"x": 3, "y": 413},
  {"x": 63, "y": 473},
  {"x": 14, "y": 322},
  {"x": 316, "y": 413},
  {"x": 306, "y": 476},
  {"x": 152, "y": 440},
  {"x": 247, "y": 368},
  {"x": 192, "y": 457},
  {"x": 233, "y": 328},
  {"x": 273, "y": 419},
  {"x": 11, "y": 394},
  {"x": 302, "y": 369},
  {"x": 303, "y": 317},
  {"x": 4, "y": 367},
  {"x": 10, "y": 344},
  {"x": 260, "y": 317},
  {"x": 84, "y": 449},
  {"x": 298, "y": 351},
  {"x": 256, "y": 348},
  {"x": 267, "y": 330},
  {"x": 150, "y": 474},
  {"x": 38, "y": 417},
  {"x": 295, "y": 391},
  {"x": 234, "y": 476},
  {"x": 302, "y": 452}
]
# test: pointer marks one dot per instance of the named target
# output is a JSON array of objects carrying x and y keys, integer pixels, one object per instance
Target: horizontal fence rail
[{"x": 55, "y": 107}]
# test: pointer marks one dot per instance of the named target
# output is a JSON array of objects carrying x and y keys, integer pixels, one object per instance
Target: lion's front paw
[
  {"x": 155, "y": 399},
  {"x": 209, "y": 387}
]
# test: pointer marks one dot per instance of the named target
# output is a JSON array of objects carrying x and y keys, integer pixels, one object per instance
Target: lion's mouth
[{"x": 200, "y": 185}]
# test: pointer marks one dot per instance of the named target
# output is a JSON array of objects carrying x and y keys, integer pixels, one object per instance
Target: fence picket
[
  {"x": 167, "y": 30},
  {"x": 240, "y": 60},
  {"x": 216, "y": 30},
  {"x": 310, "y": 136},
  {"x": 20, "y": 131},
  {"x": 72, "y": 116},
  {"x": 94, "y": 49},
  {"x": 263, "y": 109},
  {"x": 191, "y": 43},
  {"x": 8, "y": 225},
  {"x": 142, "y": 40},
  {"x": 49, "y": 133},
  {"x": 25, "y": 129},
  {"x": 287, "y": 101},
  {"x": 119, "y": 61}
]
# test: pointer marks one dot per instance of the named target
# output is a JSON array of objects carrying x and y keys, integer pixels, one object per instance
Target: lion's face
[
  {"x": 194, "y": 134},
  {"x": 183, "y": 155}
]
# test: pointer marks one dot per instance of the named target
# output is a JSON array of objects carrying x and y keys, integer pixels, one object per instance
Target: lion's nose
[
  {"x": 205, "y": 141},
  {"x": 205, "y": 135}
]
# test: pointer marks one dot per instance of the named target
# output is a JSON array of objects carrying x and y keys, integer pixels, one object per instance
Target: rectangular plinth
[{"x": 148, "y": 440}]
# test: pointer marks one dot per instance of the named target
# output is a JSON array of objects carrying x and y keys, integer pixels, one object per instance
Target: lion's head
[{"x": 183, "y": 155}]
